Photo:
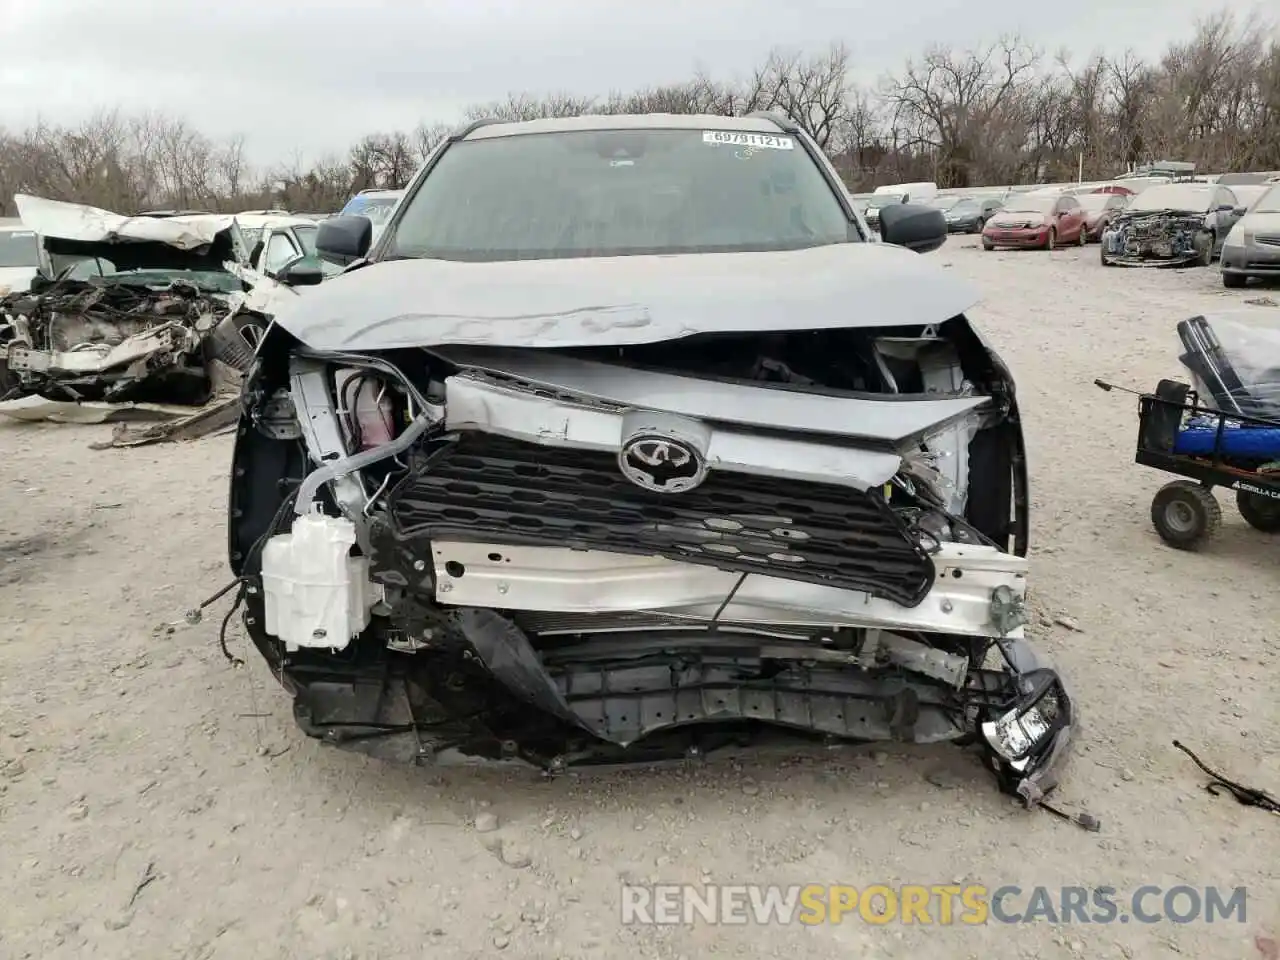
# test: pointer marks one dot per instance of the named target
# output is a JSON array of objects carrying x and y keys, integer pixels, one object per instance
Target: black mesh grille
[{"x": 490, "y": 489}]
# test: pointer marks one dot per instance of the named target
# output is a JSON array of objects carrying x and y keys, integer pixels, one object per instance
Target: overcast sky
[{"x": 314, "y": 75}]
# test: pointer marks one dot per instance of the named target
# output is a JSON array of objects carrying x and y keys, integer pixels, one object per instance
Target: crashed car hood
[
  {"x": 75, "y": 221},
  {"x": 623, "y": 300},
  {"x": 1162, "y": 212}
]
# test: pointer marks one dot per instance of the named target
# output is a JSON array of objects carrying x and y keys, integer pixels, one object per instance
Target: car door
[
  {"x": 1072, "y": 223},
  {"x": 1224, "y": 219},
  {"x": 1111, "y": 209},
  {"x": 277, "y": 250}
]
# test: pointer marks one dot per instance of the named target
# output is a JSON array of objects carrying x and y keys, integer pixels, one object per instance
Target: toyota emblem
[{"x": 662, "y": 464}]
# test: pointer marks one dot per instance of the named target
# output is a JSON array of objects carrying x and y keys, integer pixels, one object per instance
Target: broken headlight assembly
[{"x": 1023, "y": 739}]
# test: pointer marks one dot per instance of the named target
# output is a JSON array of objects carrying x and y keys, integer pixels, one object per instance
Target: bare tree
[
  {"x": 952, "y": 103},
  {"x": 997, "y": 114}
]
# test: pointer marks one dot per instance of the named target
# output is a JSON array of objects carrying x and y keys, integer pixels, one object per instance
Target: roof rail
[
  {"x": 785, "y": 124},
  {"x": 174, "y": 213},
  {"x": 463, "y": 132}
]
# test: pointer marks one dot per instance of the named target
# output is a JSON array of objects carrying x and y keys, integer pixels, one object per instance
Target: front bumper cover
[
  {"x": 1012, "y": 237},
  {"x": 1251, "y": 261},
  {"x": 497, "y": 702}
]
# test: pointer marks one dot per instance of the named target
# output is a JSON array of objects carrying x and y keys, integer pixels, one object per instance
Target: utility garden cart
[{"x": 1223, "y": 430}]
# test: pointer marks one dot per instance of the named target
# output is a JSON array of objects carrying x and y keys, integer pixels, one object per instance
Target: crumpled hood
[
  {"x": 1129, "y": 216},
  {"x": 623, "y": 300},
  {"x": 76, "y": 221}
]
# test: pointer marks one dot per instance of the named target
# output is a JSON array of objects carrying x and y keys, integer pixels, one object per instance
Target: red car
[
  {"x": 1099, "y": 209},
  {"x": 1037, "y": 222},
  {"x": 1115, "y": 188}
]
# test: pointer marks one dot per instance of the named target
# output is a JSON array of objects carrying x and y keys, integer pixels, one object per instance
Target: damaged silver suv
[{"x": 625, "y": 443}]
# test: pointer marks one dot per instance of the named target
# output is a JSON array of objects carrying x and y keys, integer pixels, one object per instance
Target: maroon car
[
  {"x": 1037, "y": 222},
  {"x": 1099, "y": 209}
]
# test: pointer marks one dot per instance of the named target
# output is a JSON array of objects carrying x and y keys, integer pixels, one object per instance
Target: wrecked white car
[
  {"x": 129, "y": 309},
  {"x": 624, "y": 443},
  {"x": 19, "y": 256}
]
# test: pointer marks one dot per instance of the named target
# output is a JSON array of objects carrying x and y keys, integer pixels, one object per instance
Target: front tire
[
  {"x": 235, "y": 339},
  {"x": 1051, "y": 240},
  {"x": 987, "y": 245},
  {"x": 1102, "y": 255},
  {"x": 1234, "y": 281},
  {"x": 1206, "y": 254},
  {"x": 1261, "y": 513},
  {"x": 1185, "y": 514}
]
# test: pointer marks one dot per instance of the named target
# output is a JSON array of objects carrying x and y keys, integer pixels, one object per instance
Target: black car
[{"x": 970, "y": 214}]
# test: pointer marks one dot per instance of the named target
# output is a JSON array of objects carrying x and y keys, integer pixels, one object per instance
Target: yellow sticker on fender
[{"x": 757, "y": 141}]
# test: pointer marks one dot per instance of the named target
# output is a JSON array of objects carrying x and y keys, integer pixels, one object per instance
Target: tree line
[{"x": 1003, "y": 113}]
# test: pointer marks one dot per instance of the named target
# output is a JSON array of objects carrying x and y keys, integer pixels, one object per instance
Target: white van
[
  {"x": 921, "y": 192},
  {"x": 898, "y": 193}
]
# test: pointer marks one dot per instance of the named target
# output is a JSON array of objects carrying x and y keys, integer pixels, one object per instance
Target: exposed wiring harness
[
  {"x": 349, "y": 402},
  {"x": 196, "y": 614}
]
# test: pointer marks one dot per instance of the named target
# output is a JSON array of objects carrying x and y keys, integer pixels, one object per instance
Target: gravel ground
[{"x": 156, "y": 802}]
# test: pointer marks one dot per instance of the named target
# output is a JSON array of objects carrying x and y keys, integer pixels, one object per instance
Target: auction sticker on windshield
[{"x": 759, "y": 141}]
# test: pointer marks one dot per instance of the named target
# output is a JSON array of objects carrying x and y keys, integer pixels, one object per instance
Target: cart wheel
[
  {"x": 1185, "y": 514},
  {"x": 1261, "y": 513}
]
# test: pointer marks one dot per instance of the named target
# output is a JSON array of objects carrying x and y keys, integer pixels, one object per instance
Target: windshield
[
  {"x": 1247, "y": 195},
  {"x": 377, "y": 209},
  {"x": 966, "y": 206},
  {"x": 1269, "y": 202},
  {"x": 947, "y": 203},
  {"x": 1094, "y": 202},
  {"x": 1173, "y": 196},
  {"x": 18, "y": 248},
  {"x": 608, "y": 193},
  {"x": 1041, "y": 205}
]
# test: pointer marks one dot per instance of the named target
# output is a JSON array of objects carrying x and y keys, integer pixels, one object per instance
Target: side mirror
[
  {"x": 342, "y": 240},
  {"x": 303, "y": 272},
  {"x": 1239, "y": 211},
  {"x": 913, "y": 226},
  {"x": 1226, "y": 208}
]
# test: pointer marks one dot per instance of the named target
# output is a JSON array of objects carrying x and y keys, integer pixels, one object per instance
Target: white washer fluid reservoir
[{"x": 316, "y": 594}]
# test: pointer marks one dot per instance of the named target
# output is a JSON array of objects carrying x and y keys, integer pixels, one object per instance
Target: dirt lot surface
[{"x": 154, "y": 802}]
